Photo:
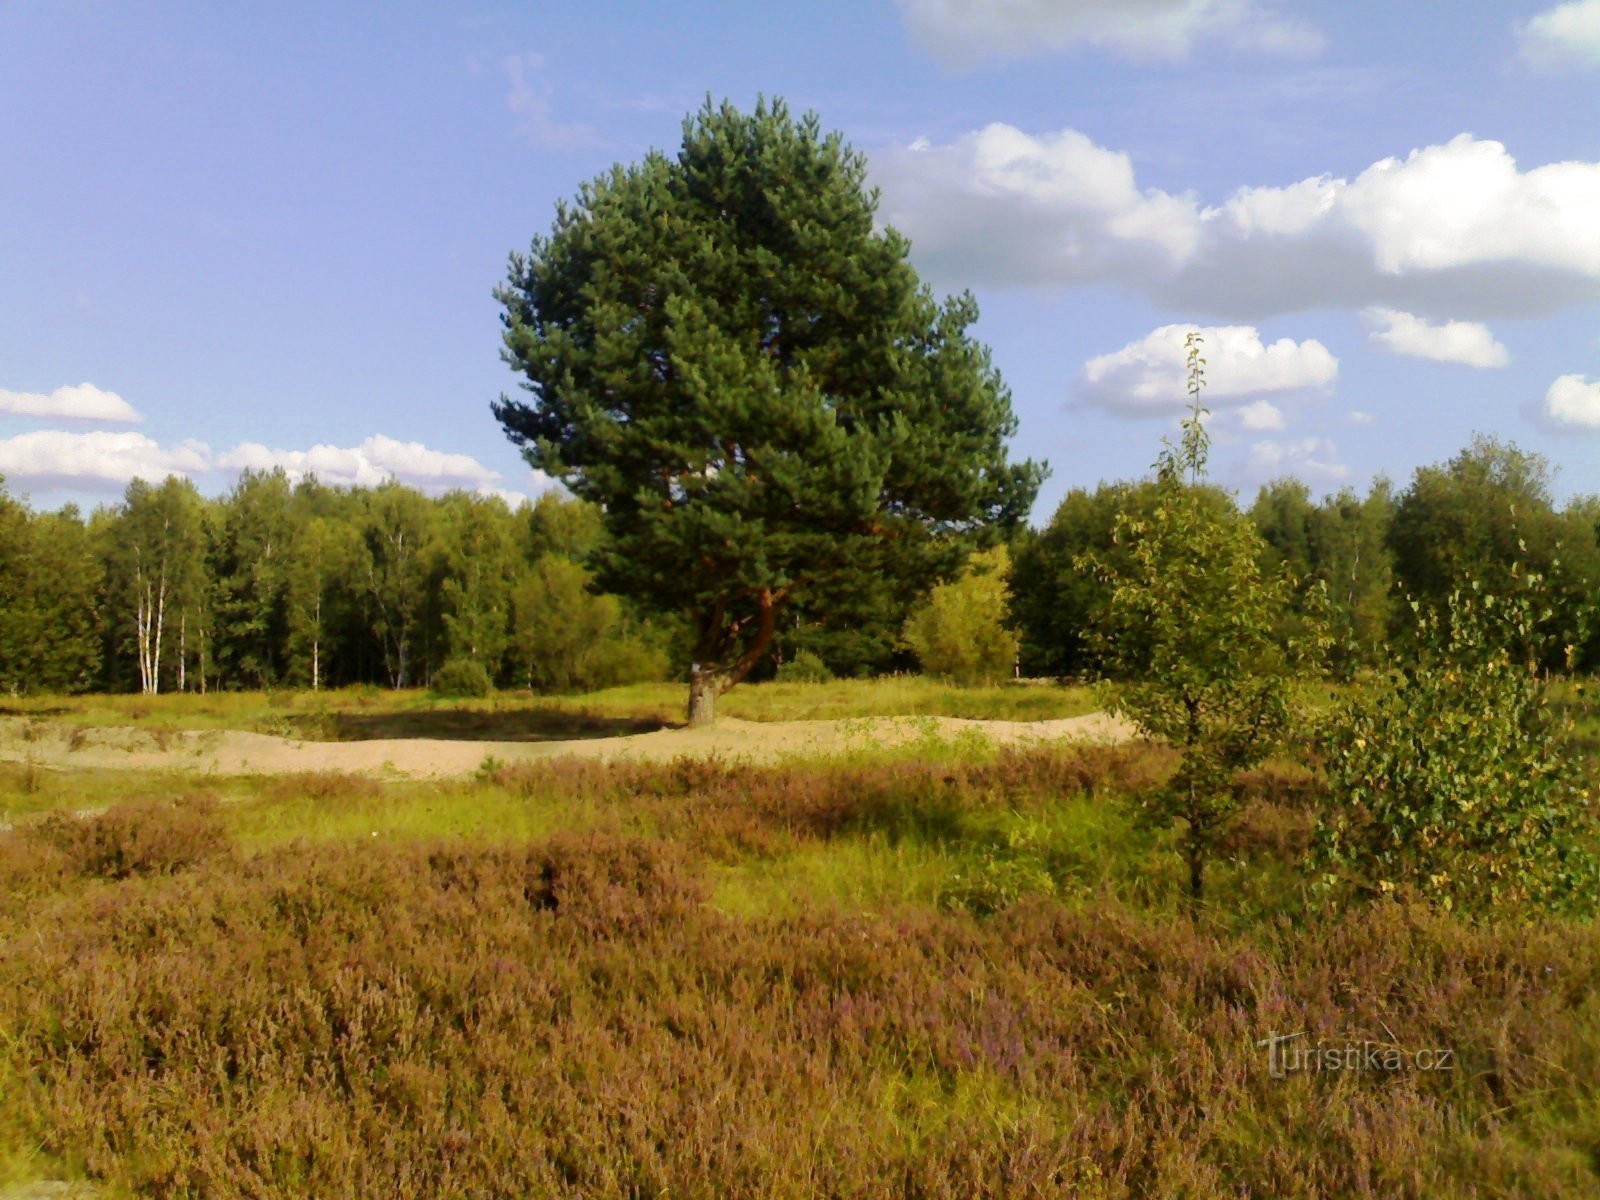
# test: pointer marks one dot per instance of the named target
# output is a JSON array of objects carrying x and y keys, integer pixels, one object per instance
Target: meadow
[{"x": 952, "y": 971}]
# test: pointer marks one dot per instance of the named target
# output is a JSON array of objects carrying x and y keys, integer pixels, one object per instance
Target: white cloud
[
  {"x": 514, "y": 500},
  {"x": 52, "y": 457},
  {"x": 530, "y": 103},
  {"x": 82, "y": 403},
  {"x": 1149, "y": 376},
  {"x": 1572, "y": 402},
  {"x": 1261, "y": 417},
  {"x": 1001, "y": 206},
  {"x": 1356, "y": 417},
  {"x": 1465, "y": 342},
  {"x": 1567, "y": 35},
  {"x": 963, "y": 32},
  {"x": 1311, "y": 459},
  {"x": 375, "y": 460},
  {"x": 1451, "y": 230}
]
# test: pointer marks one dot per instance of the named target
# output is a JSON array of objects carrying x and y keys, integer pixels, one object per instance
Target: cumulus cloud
[
  {"x": 375, "y": 460},
  {"x": 1451, "y": 230},
  {"x": 1465, "y": 342},
  {"x": 963, "y": 32},
  {"x": 1312, "y": 459},
  {"x": 530, "y": 101},
  {"x": 1148, "y": 377},
  {"x": 1567, "y": 35},
  {"x": 1001, "y": 206},
  {"x": 52, "y": 457},
  {"x": 1261, "y": 417},
  {"x": 514, "y": 500},
  {"x": 1573, "y": 403},
  {"x": 82, "y": 403}
]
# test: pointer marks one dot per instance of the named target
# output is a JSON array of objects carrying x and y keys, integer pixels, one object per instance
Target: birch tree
[{"x": 160, "y": 565}]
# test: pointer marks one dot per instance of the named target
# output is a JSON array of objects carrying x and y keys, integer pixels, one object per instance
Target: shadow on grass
[
  {"x": 15, "y": 710},
  {"x": 468, "y": 725}
]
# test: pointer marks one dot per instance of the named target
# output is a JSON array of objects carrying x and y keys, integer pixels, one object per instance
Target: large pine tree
[{"x": 724, "y": 353}]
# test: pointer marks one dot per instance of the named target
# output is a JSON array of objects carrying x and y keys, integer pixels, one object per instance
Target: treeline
[
  {"x": 1470, "y": 523},
  {"x": 305, "y": 585}
]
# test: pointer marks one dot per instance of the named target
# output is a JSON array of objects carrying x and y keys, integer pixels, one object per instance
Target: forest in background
[{"x": 280, "y": 583}]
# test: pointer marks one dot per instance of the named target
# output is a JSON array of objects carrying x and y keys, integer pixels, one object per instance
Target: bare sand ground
[{"x": 230, "y": 752}]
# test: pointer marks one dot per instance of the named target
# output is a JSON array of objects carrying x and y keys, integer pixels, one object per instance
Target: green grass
[{"x": 28, "y": 789}]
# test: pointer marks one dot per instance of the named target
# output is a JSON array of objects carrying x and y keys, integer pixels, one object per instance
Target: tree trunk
[
  {"x": 161, "y": 618},
  {"x": 1196, "y": 854},
  {"x": 705, "y": 685},
  {"x": 711, "y": 675}
]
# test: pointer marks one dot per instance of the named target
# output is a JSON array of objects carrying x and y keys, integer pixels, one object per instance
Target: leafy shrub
[
  {"x": 805, "y": 667},
  {"x": 1449, "y": 780},
  {"x": 1001, "y": 876},
  {"x": 463, "y": 677},
  {"x": 959, "y": 632},
  {"x": 635, "y": 653}
]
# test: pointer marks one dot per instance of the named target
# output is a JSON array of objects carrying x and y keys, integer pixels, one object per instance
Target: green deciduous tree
[
  {"x": 1340, "y": 542},
  {"x": 1449, "y": 779},
  {"x": 1191, "y": 632},
  {"x": 64, "y": 578},
  {"x": 559, "y": 524},
  {"x": 479, "y": 561},
  {"x": 1485, "y": 518},
  {"x": 1055, "y": 602},
  {"x": 158, "y": 576},
  {"x": 323, "y": 579},
  {"x": 49, "y": 574},
  {"x": 397, "y": 532},
  {"x": 959, "y": 631},
  {"x": 566, "y": 636},
  {"x": 723, "y": 352},
  {"x": 249, "y": 570}
]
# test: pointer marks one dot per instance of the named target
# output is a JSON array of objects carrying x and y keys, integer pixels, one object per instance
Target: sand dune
[{"x": 237, "y": 753}]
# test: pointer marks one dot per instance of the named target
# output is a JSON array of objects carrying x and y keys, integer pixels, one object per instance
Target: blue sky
[{"x": 239, "y": 235}]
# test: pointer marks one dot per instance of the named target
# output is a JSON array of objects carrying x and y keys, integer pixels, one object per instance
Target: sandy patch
[{"x": 215, "y": 752}]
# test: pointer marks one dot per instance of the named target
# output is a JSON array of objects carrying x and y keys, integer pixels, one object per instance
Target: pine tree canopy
[{"x": 723, "y": 352}]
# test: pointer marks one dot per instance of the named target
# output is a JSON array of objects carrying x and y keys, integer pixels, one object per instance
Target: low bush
[
  {"x": 805, "y": 667},
  {"x": 146, "y": 838},
  {"x": 462, "y": 677}
]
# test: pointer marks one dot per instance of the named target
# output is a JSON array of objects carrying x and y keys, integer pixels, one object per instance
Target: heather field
[{"x": 964, "y": 971}]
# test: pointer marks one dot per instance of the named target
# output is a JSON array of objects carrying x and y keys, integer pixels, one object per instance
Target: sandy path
[{"x": 236, "y": 753}]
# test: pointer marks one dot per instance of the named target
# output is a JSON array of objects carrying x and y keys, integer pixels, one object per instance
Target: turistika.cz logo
[{"x": 1293, "y": 1054}]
